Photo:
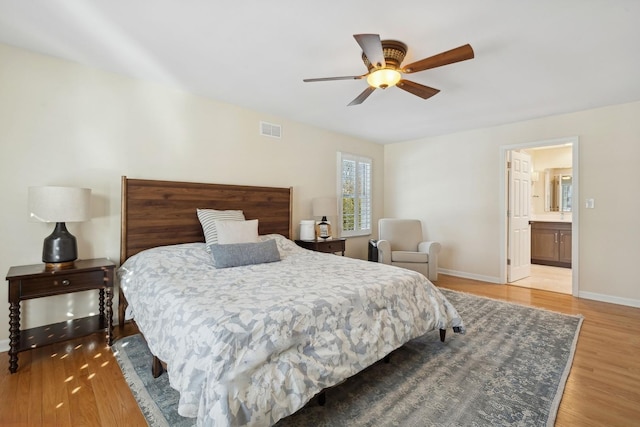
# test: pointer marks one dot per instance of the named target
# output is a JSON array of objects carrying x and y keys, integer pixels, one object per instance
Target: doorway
[{"x": 555, "y": 277}]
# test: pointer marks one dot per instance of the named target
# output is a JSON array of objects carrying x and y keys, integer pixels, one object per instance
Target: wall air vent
[{"x": 270, "y": 129}]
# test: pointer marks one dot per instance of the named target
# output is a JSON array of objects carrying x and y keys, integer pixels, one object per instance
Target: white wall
[
  {"x": 65, "y": 124},
  {"x": 451, "y": 182}
]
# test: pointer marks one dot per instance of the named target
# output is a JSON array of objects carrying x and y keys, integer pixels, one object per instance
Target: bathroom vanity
[{"x": 551, "y": 243}]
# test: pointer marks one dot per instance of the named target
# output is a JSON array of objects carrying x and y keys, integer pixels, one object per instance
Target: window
[{"x": 354, "y": 192}]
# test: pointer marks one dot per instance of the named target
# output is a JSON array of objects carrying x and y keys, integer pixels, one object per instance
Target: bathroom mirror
[{"x": 558, "y": 183}]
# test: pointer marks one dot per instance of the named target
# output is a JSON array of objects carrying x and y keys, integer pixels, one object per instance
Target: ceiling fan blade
[
  {"x": 458, "y": 54},
  {"x": 364, "y": 95},
  {"x": 417, "y": 89},
  {"x": 325, "y": 79},
  {"x": 372, "y": 48}
]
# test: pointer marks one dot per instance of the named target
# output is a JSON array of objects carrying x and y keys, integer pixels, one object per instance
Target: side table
[{"x": 35, "y": 281}]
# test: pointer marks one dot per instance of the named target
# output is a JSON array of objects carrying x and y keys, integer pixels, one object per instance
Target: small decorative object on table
[
  {"x": 323, "y": 229},
  {"x": 307, "y": 230},
  {"x": 323, "y": 207}
]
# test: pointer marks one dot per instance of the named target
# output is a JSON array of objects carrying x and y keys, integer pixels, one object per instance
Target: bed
[{"x": 250, "y": 345}]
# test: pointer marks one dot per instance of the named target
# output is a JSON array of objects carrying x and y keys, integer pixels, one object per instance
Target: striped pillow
[{"x": 208, "y": 219}]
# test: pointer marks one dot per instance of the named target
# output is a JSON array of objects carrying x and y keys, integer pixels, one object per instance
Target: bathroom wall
[{"x": 544, "y": 158}]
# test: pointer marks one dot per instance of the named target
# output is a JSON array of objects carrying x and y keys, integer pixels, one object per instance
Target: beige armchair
[{"x": 400, "y": 243}]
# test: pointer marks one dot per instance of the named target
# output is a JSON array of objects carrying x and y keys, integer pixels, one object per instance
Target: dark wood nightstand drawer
[
  {"x": 60, "y": 284},
  {"x": 332, "y": 246},
  {"x": 328, "y": 246}
]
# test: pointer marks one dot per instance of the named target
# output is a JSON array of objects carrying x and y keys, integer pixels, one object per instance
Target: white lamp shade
[
  {"x": 59, "y": 204},
  {"x": 325, "y": 206}
]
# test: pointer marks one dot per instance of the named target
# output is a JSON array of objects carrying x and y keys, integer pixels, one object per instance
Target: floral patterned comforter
[{"x": 250, "y": 345}]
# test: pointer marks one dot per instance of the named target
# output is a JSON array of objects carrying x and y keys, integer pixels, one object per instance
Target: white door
[{"x": 518, "y": 216}]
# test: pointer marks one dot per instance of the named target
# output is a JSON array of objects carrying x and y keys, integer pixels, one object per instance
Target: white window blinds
[{"x": 354, "y": 194}]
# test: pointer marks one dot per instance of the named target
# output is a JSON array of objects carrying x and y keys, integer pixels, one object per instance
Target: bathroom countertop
[{"x": 551, "y": 218}]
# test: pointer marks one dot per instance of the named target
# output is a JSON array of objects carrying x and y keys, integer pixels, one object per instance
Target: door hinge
[
  {"x": 508, "y": 261},
  {"x": 508, "y": 165}
]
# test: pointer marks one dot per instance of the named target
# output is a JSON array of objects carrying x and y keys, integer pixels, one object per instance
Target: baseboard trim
[
  {"x": 582, "y": 294},
  {"x": 471, "y": 276},
  {"x": 610, "y": 299}
]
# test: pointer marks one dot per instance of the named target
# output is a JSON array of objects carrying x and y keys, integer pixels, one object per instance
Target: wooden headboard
[{"x": 158, "y": 213}]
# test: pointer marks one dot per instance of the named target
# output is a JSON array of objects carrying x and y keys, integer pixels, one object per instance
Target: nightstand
[
  {"x": 34, "y": 281},
  {"x": 329, "y": 245}
]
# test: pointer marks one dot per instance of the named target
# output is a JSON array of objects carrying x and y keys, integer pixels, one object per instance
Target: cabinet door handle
[
  {"x": 66, "y": 282},
  {"x": 556, "y": 237}
]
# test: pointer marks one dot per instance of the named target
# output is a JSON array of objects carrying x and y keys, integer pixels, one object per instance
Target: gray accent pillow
[{"x": 238, "y": 254}]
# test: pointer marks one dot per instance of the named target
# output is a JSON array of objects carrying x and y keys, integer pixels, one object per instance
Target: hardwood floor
[
  {"x": 548, "y": 278},
  {"x": 75, "y": 383},
  {"x": 603, "y": 388},
  {"x": 79, "y": 382}
]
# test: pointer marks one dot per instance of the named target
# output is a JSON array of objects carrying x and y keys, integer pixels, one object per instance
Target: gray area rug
[{"x": 509, "y": 369}]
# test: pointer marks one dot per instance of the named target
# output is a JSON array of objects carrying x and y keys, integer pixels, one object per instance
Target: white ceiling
[{"x": 532, "y": 58}]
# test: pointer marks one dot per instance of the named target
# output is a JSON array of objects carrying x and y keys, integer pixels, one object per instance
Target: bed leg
[
  {"x": 156, "y": 367},
  {"x": 443, "y": 334},
  {"x": 122, "y": 308},
  {"x": 322, "y": 398}
]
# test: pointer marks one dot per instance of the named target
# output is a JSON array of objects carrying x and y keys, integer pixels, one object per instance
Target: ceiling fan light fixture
[
  {"x": 383, "y": 59},
  {"x": 384, "y": 78}
]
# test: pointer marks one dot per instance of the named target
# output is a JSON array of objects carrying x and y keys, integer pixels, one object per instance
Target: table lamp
[
  {"x": 323, "y": 207},
  {"x": 59, "y": 205}
]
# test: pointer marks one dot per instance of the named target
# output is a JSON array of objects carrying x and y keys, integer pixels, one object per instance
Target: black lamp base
[
  {"x": 60, "y": 248},
  {"x": 54, "y": 266}
]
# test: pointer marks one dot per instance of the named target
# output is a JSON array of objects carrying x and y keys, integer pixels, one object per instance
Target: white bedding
[{"x": 250, "y": 345}]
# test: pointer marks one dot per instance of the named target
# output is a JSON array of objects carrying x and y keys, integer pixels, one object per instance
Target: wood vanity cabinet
[{"x": 551, "y": 243}]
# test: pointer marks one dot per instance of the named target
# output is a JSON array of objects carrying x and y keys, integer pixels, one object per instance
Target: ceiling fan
[{"x": 383, "y": 59}]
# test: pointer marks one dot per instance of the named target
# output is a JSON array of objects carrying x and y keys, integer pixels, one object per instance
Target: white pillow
[
  {"x": 237, "y": 231},
  {"x": 208, "y": 219}
]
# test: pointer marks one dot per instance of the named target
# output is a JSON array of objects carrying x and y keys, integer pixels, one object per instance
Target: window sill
[{"x": 355, "y": 234}]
